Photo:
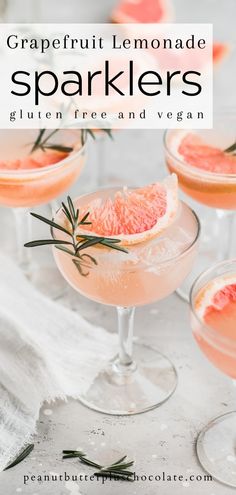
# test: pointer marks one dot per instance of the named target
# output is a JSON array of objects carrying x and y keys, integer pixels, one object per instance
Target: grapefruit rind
[
  {"x": 120, "y": 17},
  {"x": 170, "y": 184},
  {"x": 205, "y": 298},
  {"x": 220, "y": 51}
]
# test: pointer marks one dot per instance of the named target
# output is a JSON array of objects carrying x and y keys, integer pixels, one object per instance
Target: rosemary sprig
[
  {"x": 118, "y": 468},
  {"x": 21, "y": 456},
  {"x": 231, "y": 149},
  {"x": 37, "y": 143},
  {"x": 77, "y": 242},
  {"x": 93, "y": 134},
  {"x": 58, "y": 147},
  {"x": 43, "y": 141}
]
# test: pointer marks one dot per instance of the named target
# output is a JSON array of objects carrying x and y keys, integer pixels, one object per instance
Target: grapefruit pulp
[
  {"x": 134, "y": 215},
  {"x": 36, "y": 160},
  {"x": 216, "y": 305},
  {"x": 208, "y": 158}
]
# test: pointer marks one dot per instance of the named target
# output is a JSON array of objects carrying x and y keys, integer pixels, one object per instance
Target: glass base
[
  {"x": 216, "y": 448},
  {"x": 139, "y": 389},
  {"x": 47, "y": 280}
]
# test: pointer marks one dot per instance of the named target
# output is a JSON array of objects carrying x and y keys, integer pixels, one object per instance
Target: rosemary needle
[
  {"x": 76, "y": 244},
  {"x": 21, "y": 456},
  {"x": 119, "y": 468}
]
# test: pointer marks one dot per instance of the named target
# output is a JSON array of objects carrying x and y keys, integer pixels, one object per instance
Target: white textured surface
[
  {"x": 46, "y": 352},
  {"x": 162, "y": 439}
]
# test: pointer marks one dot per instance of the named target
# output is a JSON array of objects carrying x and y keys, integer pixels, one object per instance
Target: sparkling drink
[
  {"x": 216, "y": 334},
  {"x": 155, "y": 263},
  {"x": 149, "y": 272},
  {"x": 205, "y": 173},
  {"x": 213, "y": 319},
  {"x": 205, "y": 163},
  {"x": 30, "y": 177},
  {"x": 33, "y": 179}
]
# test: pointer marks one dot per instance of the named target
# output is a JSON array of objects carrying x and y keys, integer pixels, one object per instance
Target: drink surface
[
  {"x": 151, "y": 270},
  {"x": 37, "y": 160},
  {"x": 28, "y": 179},
  {"x": 215, "y": 330},
  {"x": 205, "y": 171}
]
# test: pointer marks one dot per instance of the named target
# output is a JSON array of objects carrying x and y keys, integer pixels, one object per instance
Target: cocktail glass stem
[
  {"x": 101, "y": 157},
  {"x": 226, "y": 223},
  {"x": 23, "y": 227},
  {"x": 124, "y": 387},
  {"x": 44, "y": 275},
  {"x": 3, "y": 8},
  {"x": 125, "y": 331},
  {"x": 54, "y": 204}
]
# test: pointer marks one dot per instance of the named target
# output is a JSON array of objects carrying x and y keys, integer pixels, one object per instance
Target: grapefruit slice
[
  {"x": 216, "y": 304},
  {"x": 134, "y": 215},
  {"x": 36, "y": 160},
  {"x": 220, "y": 50},
  {"x": 205, "y": 157},
  {"x": 142, "y": 11}
]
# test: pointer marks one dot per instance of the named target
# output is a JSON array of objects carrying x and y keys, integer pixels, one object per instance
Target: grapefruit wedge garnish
[
  {"x": 134, "y": 215},
  {"x": 142, "y": 11},
  {"x": 215, "y": 304},
  {"x": 199, "y": 154},
  {"x": 220, "y": 50}
]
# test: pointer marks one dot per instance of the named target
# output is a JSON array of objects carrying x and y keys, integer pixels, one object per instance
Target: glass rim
[
  {"x": 28, "y": 173},
  {"x": 210, "y": 330},
  {"x": 161, "y": 263},
  {"x": 197, "y": 172}
]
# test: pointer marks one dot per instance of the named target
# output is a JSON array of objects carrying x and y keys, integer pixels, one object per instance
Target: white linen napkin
[{"x": 46, "y": 352}]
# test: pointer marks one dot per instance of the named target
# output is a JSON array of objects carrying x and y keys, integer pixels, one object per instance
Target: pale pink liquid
[
  {"x": 150, "y": 271},
  {"x": 218, "y": 343},
  {"x": 214, "y": 190},
  {"x": 34, "y": 186}
]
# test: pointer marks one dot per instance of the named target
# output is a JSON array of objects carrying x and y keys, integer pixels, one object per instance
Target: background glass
[{"x": 216, "y": 443}]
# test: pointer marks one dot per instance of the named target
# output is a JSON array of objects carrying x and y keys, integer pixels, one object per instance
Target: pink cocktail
[
  {"x": 205, "y": 163},
  {"x": 150, "y": 271},
  {"x": 31, "y": 178},
  {"x": 205, "y": 172},
  {"x": 213, "y": 319}
]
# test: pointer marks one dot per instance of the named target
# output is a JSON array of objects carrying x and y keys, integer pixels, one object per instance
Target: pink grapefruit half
[
  {"x": 220, "y": 50},
  {"x": 142, "y": 11}
]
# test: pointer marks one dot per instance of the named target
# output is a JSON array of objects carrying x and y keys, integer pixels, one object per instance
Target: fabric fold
[{"x": 46, "y": 352}]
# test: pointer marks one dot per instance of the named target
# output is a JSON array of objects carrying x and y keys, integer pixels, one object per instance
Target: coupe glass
[
  {"x": 22, "y": 189},
  {"x": 151, "y": 271},
  {"x": 213, "y": 190},
  {"x": 216, "y": 444}
]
